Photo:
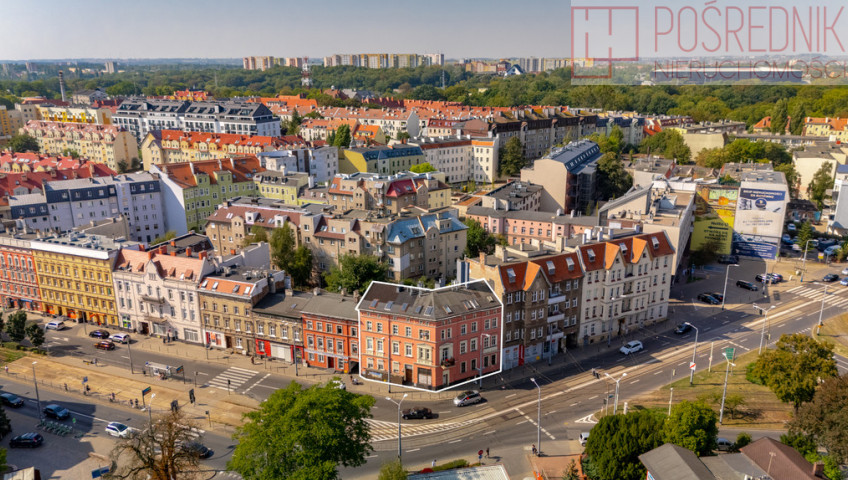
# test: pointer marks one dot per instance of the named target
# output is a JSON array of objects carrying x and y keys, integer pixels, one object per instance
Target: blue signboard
[{"x": 99, "y": 472}]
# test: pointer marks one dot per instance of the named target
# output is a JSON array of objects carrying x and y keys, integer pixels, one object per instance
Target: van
[
  {"x": 724, "y": 445},
  {"x": 583, "y": 438}
]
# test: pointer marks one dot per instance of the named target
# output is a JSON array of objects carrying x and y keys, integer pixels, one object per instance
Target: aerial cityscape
[{"x": 394, "y": 242}]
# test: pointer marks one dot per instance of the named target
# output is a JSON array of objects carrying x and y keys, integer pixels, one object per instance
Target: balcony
[
  {"x": 555, "y": 297},
  {"x": 448, "y": 362},
  {"x": 556, "y": 318}
]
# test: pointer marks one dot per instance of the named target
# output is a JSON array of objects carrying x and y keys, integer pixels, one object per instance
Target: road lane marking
[
  {"x": 413, "y": 450},
  {"x": 514, "y": 394}
]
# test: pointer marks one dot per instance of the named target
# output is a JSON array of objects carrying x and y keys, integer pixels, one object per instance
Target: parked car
[
  {"x": 118, "y": 429},
  {"x": 468, "y": 397},
  {"x": 417, "y": 412},
  {"x": 104, "y": 345},
  {"x": 120, "y": 337},
  {"x": 796, "y": 247},
  {"x": 791, "y": 228},
  {"x": 825, "y": 244},
  {"x": 11, "y": 400},
  {"x": 786, "y": 238},
  {"x": 707, "y": 298},
  {"x": 830, "y": 277},
  {"x": 845, "y": 271},
  {"x": 814, "y": 243},
  {"x": 844, "y": 282},
  {"x": 27, "y": 440},
  {"x": 584, "y": 437},
  {"x": 728, "y": 259},
  {"x": 56, "y": 411},
  {"x": 198, "y": 449},
  {"x": 55, "y": 325},
  {"x": 831, "y": 250},
  {"x": 717, "y": 296},
  {"x": 99, "y": 334},
  {"x": 682, "y": 328},
  {"x": 746, "y": 285},
  {"x": 724, "y": 445},
  {"x": 631, "y": 347},
  {"x": 768, "y": 278}
]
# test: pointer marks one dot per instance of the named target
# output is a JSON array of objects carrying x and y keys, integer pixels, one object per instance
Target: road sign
[
  {"x": 146, "y": 391},
  {"x": 691, "y": 365},
  {"x": 99, "y": 472},
  {"x": 180, "y": 369},
  {"x": 728, "y": 353}
]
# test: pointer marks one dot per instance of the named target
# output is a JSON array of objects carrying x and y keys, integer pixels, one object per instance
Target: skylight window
[
  {"x": 215, "y": 286},
  {"x": 511, "y": 275},
  {"x": 551, "y": 267},
  {"x": 570, "y": 263},
  {"x": 236, "y": 288},
  {"x": 655, "y": 243},
  {"x": 374, "y": 303},
  {"x": 388, "y": 306},
  {"x": 447, "y": 309},
  {"x": 429, "y": 311}
]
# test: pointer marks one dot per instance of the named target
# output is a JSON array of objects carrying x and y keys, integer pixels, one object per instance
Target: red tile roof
[
  {"x": 242, "y": 169},
  {"x": 221, "y": 139},
  {"x": 170, "y": 266}
]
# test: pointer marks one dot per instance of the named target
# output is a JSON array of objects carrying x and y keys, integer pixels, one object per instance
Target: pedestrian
[
  {"x": 7, "y": 369},
  {"x": 480, "y": 456},
  {"x": 534, "y": 449},
  {"x": 487, "y": 452},
  {"x": 164, "y": 340},
  {"x": 434, "y": 463}
]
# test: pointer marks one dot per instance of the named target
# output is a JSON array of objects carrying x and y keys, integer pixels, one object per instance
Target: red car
[{"x": 104, "y": 345}]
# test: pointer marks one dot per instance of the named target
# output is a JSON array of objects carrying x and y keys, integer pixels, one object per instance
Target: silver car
[{"x": 469, "y": 397}]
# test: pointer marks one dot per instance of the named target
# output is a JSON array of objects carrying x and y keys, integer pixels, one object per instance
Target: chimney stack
[
  {"x": 202, "y": 255},
  {"x": 173, "y": 243},
  {"x": 188, "y": 251}
]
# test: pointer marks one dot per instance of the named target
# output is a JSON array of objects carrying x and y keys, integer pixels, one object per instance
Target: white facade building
[{"x": 321, "y": 163}]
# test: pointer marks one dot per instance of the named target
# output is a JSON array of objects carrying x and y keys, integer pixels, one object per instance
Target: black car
[
  {"x": 99, "y": 334},
  {"x": 56, "y": 411},
  {"x": 27, "y": 440},
  {"x": 417, "y": 412},
  {"x": 728, "y": 259},
  {"x": 769, "y": 278},
  {"x": 198, "y": 449},
  {"x": 746, "y": 285},
  {"x": 718, "y": 296},
  {"x": 707, "y": 298},
  {"x": 11, "y": 400},
  {"x": 830, "y": 277},
  {"x": 682, "y": 328}
]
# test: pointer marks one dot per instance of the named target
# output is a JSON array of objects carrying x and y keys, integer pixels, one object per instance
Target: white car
[
  {"x": 791, "y": 227},
  {"x": 55, "y": 325},
  {"x": 117, "y": 429},
  {"x": 120, "y": 338},
  {"x": 796, "y": 247},
  {"x": 845, "y": 271},
  {"x": 831, "y": 250},
  {"x": 631, "y": 347}
]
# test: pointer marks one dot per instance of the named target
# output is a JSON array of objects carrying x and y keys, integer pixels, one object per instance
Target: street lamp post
[
  {"x": 150, "y": 410},
  {"x": 694, "y": 351},
  {"x": 129, "y": 352},
  {"x": 615, "y": 407},
  {"x": 538, "y": 418},
  {"x": 670, "y": 396},
  {"x": 37, "y": 398},
  {"x": 804, "y": 263},
  {"x": 724, "y": 294},
  {"x": 765, "y": 321},
  {"x": 765, "y": 281},
  {"x": 398, "y": 405},
  {"x": 821, "y": 312},
  {"x": 724, "y": 394}
]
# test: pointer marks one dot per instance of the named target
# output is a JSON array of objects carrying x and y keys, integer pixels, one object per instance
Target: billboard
[
  {"x": 715, "y": 211},
  {"x": 756, "y": 246},
  {"x": 761, "y": 212}
]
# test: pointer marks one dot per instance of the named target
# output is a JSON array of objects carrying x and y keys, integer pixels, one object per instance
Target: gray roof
[
  {"x": 634, "y": 192},
  {"x": 427, "y": 304},
  {"x": 670, "y": 462},
  {"x": 405, "y": 229},
  {"x": 282, "y": 305},
  {"x": 576, "y": 155},
  {"x": 732, "y": 466},
  {"x": 332, "y": 305}
]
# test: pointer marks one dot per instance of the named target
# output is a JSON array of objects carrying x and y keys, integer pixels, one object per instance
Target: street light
[
  {"x": 765, "y": 321},
  {"x": 37, "y": 398},
  {"x": 129, "y": 352},
  {"x": 150, "y": 410},
  {"x": 804, "y": 264},
  {"x": 398, "y": 405},
  {"x": 538, "y": 418},
  {"x": 615, "y": 407},
  {"x": 694, "y": 351},
  {"x": 724, "y": 295},
  {"x": 480, "y": 365},
  {"x": 821, "y": 312},
  {"x": 723, "y": 395}
]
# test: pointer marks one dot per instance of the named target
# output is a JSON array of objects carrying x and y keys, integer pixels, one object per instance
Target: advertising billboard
[
  {"x": 760, "y": 212},
  {"x": 715, "y": 209},
  {"x": 756, "y": 246}
]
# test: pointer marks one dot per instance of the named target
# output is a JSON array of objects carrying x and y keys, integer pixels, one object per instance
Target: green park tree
[
  {"x": 805, "y": 233},
  {"x": 257, "y": 234},
  {"x": 23, "y": 143},
  {"x": 793, "y": 369},
  {"x": 16, "y": 326},
  {"x": 341, "y": 137},
  {"x": 356, "y": 272},
  {"x": 825, "y": 418},
  {"x": 282, "y": 245},
  {"x": 618, "y": 440},
  {"x": 392, "y": 471},
  {"x": 793, "y": 179},
  {"x": 35, "y": 334},
  {"x": 667, "y": 143},
  {"x": 511, "y": 158},
  {"x": 779, "y": 116},
  {"x": 613, "y": 180},
  {"x": 477, "y": 239},
  {"x": 796, "y": 121},
  {"x": 821, "y": 182},
  {"x": 303, "y": 434},
  {"x": 300, "y": 267},
  {"x": 692, "y": 425},
  {"x": 422, "y": 168}
]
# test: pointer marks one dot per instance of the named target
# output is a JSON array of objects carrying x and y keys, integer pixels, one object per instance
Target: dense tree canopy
[
  {"x": 511, "y": 158},
  {"x": 356, "y": 272},
  {"x": 826, "y": 418},
  {"x": 618, "y": 440},
  {"x": 422, "y": 168},
  {"x": 23, "y": 143},
  {"x": 821, "y": 182},
  {"x": 692, "y": 425},
  {"x": 478, "y": 239},
  {"x": 668, "y": 144},
  {"x": 303, "y": 434}
]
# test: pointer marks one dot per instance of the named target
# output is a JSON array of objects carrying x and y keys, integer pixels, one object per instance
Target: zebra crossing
[
  {"x": 833, "y": 298},
  {"x": 232, "y": 378},
  {"x": 382, "y": 430}
]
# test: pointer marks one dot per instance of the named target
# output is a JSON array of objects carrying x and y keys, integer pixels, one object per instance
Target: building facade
[
  {"x": 331, "y": 329},
  {"x": 18, "y": 277},
  {"x": 107, "y": 144}
]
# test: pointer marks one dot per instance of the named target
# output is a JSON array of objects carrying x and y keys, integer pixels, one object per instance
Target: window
[{"x": 408, "y": 350}]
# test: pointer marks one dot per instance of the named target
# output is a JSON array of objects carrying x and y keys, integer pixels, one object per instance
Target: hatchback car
[
  {"x": 11, "y": 400},
  {"x": 467, "y": 398},
  {"x": 844, "y": 282},
  {"x": 631, "y": 347},
  {"x": 417, "y": 412},
  {"x": 723, "y": 445},
  {"x": 845, "y": 271},
  {"x": 831, "y": 250},
  {"x": 56, "y": 411},
  {"x": 99, "y": 334},
  {"x": 717, "y": 296},
  {"x": 682, "y": 328},
  {"x": 27, "y": 440},
  {"x": 830, "y": 277},
  {"x": 746, "y": 285},
  {"x": 584, "y": 437},
  {"x": 768, "y": 278},
  {"x": 707, "y": 298},
  {"x": 198, "y": 449},
  {"x": 104, "y": 345},
  {"x": 791, "y": 228},
  {"x": 120, "y": 338},
  {"x": 55, "y": 325},
  {"x": 786, "y": 238},
  {"x": 117, "y": 429}
]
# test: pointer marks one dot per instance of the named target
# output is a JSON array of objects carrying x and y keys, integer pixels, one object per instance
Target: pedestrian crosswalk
[
  {"x": 835, "y": 294},
  {"x": 232, "y": 378},
  {"x": 382, "y": 430}
]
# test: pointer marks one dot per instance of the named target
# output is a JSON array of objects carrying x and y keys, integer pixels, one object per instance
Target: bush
[
  {"x": 742, "y": 440},
  {"x": 451, "y": 465},
  {"x": 10, "y": 345}
]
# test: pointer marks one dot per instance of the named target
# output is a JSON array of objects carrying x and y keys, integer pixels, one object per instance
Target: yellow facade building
[
  {"x": 75, "y": 276},
  {"x": 107, "y": 144},
  {"x": 91, "y": 115}
]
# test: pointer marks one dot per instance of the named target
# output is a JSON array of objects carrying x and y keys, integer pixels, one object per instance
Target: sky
[{"x": 116, "y": 29}]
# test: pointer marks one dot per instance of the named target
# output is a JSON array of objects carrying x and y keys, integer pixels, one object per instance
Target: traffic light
[{"x": 191, "y": 395}]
